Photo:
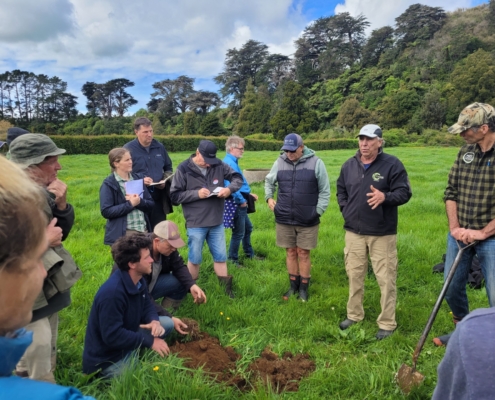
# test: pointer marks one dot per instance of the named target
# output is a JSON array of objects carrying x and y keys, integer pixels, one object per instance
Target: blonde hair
[{"x": 22, "y": 220}]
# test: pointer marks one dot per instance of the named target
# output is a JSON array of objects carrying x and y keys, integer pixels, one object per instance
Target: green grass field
[{"x": 350, "y": 364}]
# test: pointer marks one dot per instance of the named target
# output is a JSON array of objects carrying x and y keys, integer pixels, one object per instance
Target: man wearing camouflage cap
[
  {"x": 38, "y": 154},
  {"x": 470, "y": 205}
]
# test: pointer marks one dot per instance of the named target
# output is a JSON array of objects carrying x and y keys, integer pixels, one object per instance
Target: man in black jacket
[
  {"x": 170, "y": 277},
  {"x": 370, "y": 187},
  {"x": 198, "y": 186}
]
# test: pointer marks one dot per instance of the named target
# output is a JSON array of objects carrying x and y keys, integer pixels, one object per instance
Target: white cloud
[
  {"x": 98, "y": 40},
  {"x": 36, "y": 21},
  {"x": 383, "y": 12}
]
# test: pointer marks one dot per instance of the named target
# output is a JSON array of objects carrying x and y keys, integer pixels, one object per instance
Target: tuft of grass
[{"x": 350, "y": 364}]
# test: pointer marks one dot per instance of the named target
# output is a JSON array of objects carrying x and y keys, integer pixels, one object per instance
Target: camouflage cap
[
  {"x": 32, "y": 149},
  {"x": 473, "y": 115}
]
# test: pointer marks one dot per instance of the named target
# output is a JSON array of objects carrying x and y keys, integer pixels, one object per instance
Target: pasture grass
[{"x": 350, "y": 364}]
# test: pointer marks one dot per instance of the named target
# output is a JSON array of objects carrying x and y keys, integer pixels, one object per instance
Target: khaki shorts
[{"x": 291, "y": 236}]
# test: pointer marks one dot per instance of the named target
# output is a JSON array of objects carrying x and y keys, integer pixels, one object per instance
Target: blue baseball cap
[{"x": 292, "y": 141}]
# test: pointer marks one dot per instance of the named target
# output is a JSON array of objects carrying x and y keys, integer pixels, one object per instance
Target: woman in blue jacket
[{"x": 125, "y": 213}]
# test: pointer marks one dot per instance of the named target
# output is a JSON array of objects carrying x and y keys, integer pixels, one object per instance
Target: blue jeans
[
  {"x": 456, "y": 295},
  {"x": 241, "y": 233},
  {"x": 214, "y": 236},
  {"x": 131, "y": 357},
  {"x": 167, "y": 285}
]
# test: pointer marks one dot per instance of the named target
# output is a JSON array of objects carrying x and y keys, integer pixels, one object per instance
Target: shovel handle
[{"x": 437, "y": 305}]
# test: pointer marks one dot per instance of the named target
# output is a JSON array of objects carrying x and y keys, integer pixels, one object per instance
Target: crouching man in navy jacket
[{"x": 123, "y": 317}]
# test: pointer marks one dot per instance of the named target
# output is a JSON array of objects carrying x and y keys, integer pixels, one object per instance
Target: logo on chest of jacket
[
  {"x": 376, "y": 177},
  {"x": 215, "y": 181},
  {"x": 468, "y": 157}
]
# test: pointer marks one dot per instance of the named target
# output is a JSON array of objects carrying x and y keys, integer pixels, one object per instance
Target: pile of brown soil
[{"x": 201, "y": 350}]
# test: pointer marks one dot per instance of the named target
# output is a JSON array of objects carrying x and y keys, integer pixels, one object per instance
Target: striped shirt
[
  {"x": 472, "y": 186},
  {"x": 135, "y": 219}
]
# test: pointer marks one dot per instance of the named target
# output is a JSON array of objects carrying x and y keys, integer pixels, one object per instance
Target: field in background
[{"x": 350, "y": 364}]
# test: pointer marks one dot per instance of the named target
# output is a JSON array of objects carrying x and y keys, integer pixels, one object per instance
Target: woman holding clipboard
[{"x": 124, "y": 200}]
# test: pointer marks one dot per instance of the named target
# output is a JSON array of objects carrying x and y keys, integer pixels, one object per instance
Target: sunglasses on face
[{"x": 290, "y": 151}]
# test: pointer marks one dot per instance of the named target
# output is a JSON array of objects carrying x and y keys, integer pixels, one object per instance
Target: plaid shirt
[
  {"x": 135, "y": 219},
  {"x": 472, "y": 186}
]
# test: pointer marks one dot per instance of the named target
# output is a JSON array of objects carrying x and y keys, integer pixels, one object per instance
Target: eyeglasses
[
  {"x": 240, "y": 148},
  {"x": 290, "y": 151}
]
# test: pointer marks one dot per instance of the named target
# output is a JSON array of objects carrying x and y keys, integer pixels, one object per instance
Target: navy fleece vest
[{"x": 297, "y": 193}]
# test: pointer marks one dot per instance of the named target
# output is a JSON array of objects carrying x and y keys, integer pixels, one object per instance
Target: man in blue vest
[{"x": 303, "y": 195}]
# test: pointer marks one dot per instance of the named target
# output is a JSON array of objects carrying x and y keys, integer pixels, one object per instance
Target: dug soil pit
[
  {"x": 282, "y": 374},
  {"x": 201, "y": 350}
]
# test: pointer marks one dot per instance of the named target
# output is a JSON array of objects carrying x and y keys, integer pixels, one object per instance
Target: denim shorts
[{"x": 214, "y": 236}]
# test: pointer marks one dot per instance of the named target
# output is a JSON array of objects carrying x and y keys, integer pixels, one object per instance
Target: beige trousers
[
  {"x": 40, "y": 358},
  {"x": 382, "y": 251}
]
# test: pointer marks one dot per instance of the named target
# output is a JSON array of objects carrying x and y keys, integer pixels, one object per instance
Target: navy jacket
[
  {"x": 153, "y": 163},
  {"x": 114, "y": 207},
  {"x": 386, "y": 174},
  {"x": 113, "y": 329}
]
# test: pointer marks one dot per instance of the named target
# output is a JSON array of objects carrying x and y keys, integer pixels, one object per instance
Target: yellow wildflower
[
  {"x": 156, "y": 368},
  {"x": 221, "y": 312}
]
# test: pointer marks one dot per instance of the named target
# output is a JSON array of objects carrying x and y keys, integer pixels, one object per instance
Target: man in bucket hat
[
  {"x": 302, "y": 198},
  {"x": 38, "y": 154},
  {"x": 470, "y": 205},
  {"x": 198, "y": 186}
]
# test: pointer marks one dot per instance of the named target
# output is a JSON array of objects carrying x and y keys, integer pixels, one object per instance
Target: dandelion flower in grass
[
  {"x": 228, "y": 318},
  {"x": 156, "y": 368},
  {"x": 221, "y": 312}
]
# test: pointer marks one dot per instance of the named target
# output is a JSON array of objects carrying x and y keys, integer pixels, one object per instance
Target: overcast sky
[{"x": 150, "y": 40}]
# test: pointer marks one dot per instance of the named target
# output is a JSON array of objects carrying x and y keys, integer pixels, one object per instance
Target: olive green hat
[{"x": 32, "y": 149}]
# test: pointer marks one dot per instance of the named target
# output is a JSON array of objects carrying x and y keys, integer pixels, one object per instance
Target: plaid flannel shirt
[
  {"x": 135, "y": 219},
  {"x": 472, "y": 186}
]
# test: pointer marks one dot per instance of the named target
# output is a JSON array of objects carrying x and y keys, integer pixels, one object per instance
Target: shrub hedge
[{"x": 103, "y": 144}]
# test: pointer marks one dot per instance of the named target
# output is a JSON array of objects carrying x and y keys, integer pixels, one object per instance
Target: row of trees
[
  {"x": 28, "y": 98},
  {"x": 417, "y": 74}
]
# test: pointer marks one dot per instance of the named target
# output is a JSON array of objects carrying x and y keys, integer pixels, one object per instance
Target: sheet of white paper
[{"x": 215, "y": 192}]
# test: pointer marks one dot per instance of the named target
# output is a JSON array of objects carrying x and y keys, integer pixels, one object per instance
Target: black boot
[
  {"x": 303, "y": 289},
  {"x": 294, "y": 286},
  {"x": 227, "y": 282}
]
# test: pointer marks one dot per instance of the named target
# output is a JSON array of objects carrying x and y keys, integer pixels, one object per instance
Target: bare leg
[
  {"x": 304, "y": 262},
  {"x": 291, "y": 261},
  {"x": 220, "y": 268},
  {"x": 193, "y": 269}
]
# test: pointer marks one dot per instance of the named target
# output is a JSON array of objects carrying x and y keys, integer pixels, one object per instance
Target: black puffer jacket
[{"x": 386, "y": 174}]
